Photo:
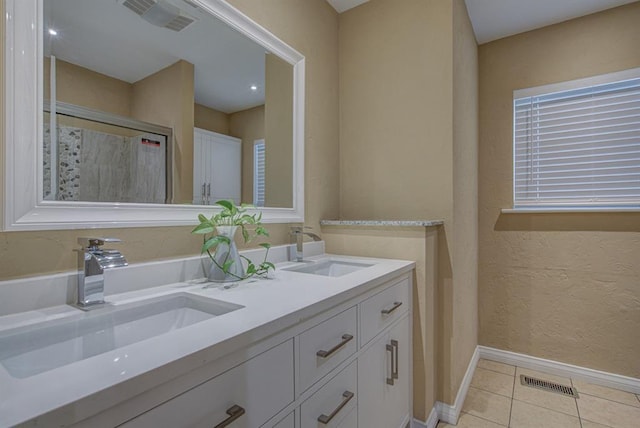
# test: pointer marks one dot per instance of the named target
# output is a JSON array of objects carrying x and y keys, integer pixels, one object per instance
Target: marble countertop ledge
[{"x": 383, "y": 223}]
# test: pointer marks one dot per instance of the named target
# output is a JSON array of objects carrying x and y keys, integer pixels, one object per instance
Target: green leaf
[
  {"x": 228, "y": 205},
  {"x": 203, "y": 228},
  {"x": 265, "y": 245},
  {"x": 202, "y": 218},
  {"x": 245, "y": 234},
  {"x": 269, "y": 265},
  {"x": 227, "y": 266},
  {"x": 251, "y": 269},
  {"x": 214, "y": 241}
]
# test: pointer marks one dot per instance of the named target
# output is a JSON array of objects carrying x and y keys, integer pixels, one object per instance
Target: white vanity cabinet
[
  {"x": 347, "y": 367},
  {"x": 246, "y": 396}
]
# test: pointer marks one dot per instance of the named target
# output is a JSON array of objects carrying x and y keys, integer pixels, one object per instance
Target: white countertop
[{"x": 269, "y": 306}]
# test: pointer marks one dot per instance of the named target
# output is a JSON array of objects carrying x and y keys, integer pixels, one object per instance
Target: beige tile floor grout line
[
  {"x": 575, "y": 400},
  {"x": 513, "y": 393}
]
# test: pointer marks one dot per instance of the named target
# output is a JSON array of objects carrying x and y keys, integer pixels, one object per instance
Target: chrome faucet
[
  {"x": 92, "y": 261},
  {"x": 298, "y": 232}
]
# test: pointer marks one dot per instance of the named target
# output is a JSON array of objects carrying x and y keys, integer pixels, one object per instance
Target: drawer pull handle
[
  {"x": 324, "y": 419},
  {"x": 394, "y": 372},
  {"x": 234, "y": 413},
  {"x": 395, "y": 306},
  {"x": 346, "y": 338},
  {"x": 390, "y": 380}
]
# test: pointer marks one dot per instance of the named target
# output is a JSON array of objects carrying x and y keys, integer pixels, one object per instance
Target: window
[
  {"x": 576, "y": 145},
  {"x": 258, "y": 173}
]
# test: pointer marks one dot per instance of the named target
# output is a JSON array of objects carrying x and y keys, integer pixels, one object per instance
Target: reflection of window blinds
[
  {"x": 258, "y": 173},
  {"x": 578, "y": 147}
]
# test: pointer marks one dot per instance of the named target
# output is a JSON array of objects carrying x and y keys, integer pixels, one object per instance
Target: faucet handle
[{"x": 94, "y": 243}]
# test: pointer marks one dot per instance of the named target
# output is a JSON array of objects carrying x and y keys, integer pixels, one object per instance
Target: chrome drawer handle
[
  {"x": 234, "y": 413},
  {"x": 394, "y": 371},
  {"x": 324, "y": 419},
  {"x": 346, "y": 338},
  {"x": 395, "y": 306},
  {"x": 390, "y": 380}
]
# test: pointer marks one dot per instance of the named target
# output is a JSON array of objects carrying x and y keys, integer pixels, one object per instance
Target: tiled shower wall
[{"x": 101, "y": 167}]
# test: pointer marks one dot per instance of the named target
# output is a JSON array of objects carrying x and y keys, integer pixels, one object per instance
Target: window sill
[{"x": 574, "y": 210}]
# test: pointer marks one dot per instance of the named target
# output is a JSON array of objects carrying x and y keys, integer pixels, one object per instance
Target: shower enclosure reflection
[{"x": 94, "y": 160}]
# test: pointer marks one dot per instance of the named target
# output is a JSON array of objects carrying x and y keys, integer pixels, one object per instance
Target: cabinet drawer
[
  {"x": 250, "y": 386},
  {"x": 333, "y": 402},
  {"x": 382, "y": 309},
  {"x": 288, "y": 422},
  {"x": 325, "y": 346}
]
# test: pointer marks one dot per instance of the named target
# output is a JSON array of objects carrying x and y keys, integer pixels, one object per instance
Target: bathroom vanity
[{"x": 303, "y": 349}]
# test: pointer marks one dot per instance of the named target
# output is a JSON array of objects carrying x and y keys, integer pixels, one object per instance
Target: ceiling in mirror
[{"x": 114, "y": 38}]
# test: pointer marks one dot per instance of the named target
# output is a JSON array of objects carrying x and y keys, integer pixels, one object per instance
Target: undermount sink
[
  {"x": 329, "y": 267},
  {"x": 27, "y": 351}
]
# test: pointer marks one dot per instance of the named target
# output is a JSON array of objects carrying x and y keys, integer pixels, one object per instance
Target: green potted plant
[{"x": 219, "y": 243}]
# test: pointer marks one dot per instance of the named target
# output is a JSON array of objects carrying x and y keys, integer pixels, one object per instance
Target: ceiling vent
[{"x": 160, "y": 13}]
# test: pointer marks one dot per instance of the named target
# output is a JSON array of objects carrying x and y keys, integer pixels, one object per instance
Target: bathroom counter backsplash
[
  {"x": 42, "y": 292},
  {"x": 263, "y": 307}
]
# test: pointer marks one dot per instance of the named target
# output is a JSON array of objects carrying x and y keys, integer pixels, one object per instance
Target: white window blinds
[
  {"x": 578, "y": 147},
  {"x": 258, "y": 173}
]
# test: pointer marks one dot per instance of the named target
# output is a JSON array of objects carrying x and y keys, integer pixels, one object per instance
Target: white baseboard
[
  {"x": 431, "y": 422},
  {"x": 598, "y": 377},
  {"x": 450, "y": 413}
]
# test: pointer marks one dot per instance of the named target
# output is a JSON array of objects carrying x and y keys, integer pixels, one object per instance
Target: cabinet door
[
  {"x": 384, "y": 371},
  {"x": 246, "y": 396}
]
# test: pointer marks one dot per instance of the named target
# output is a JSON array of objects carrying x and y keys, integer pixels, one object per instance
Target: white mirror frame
[{"x": 24, "y": 207}]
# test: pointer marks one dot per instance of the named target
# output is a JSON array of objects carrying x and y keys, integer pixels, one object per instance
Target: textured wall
[
  {"x": 247, "y": 125},
  {"x": 278, "y": 123},
  {"x": 408, "y": 149},
  {"x": 311, "y": 27},
  {"x": 465, "y": 196},
  {"x": 166, "y": 98},
  {"x": 557, "y": 286},
  {"x": 210, "y": 119}
]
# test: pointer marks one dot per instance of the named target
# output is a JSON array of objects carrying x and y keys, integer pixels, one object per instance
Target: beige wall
[
  {"x": 210, "y": 119},
  {"x": 166, "y": 98},
  {"x": 247, "y": 125},
  {"x": 278, "y": 124},
  {"x": 464, "y": 232},
  {"x": 558, "y": 286},
  {"x": 311, "y": 27},
  {"x": 408, "y": 150},
  {"x": 81, "y": 86}
]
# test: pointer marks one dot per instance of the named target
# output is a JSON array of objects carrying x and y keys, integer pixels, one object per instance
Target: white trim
[
  {"x": 633, "y": 73},
  {"x": 450, "y": 413},
  {"x": 568, "y": 210},
  {"x": 24, "y": 207},
  {"x": 431, "y": 422},
  {"x": 598, "y": 377}
]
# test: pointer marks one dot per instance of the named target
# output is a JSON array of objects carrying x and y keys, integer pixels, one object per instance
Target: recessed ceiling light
[
  {"x": 254, "y": 88},
  {"x": 53, "y": 32}
]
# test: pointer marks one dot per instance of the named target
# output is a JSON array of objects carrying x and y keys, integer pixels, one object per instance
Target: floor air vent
[{"x": 548, "y": 386}]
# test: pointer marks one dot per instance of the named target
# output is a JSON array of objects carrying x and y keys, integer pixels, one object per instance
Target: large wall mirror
[{"x": 143, "y": 112}]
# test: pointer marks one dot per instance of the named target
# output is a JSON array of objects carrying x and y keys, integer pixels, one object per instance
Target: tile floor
[{"x": 497, "y": 399}]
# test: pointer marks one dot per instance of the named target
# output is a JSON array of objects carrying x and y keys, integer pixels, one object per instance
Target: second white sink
[
  {"x": 38, "y": 348},
  {"x": 329, "y": 267}
]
